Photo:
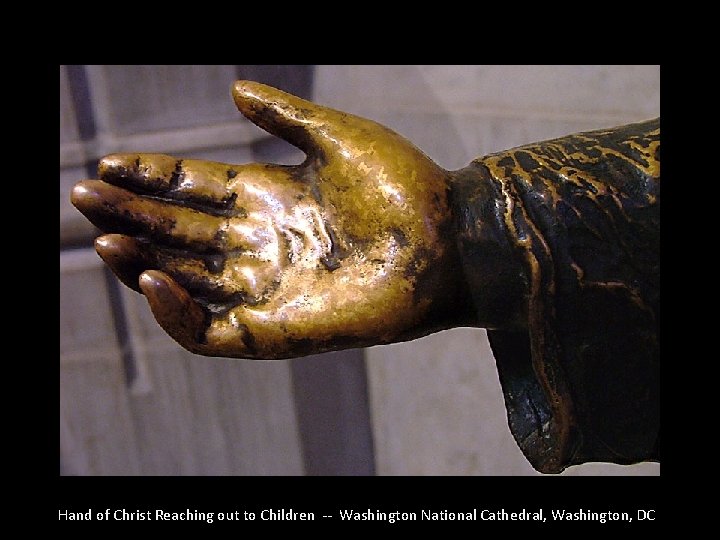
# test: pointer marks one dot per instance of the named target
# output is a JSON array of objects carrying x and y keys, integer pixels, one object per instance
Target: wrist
[{"x": 495, "y": 280}]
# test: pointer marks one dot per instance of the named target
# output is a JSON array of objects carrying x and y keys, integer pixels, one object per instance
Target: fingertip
[
  {"x": 238, "y": 87},
  {"x": 156, "y": 284},
  {"x": 251, "y": 98},
  {"x": 110, "y": 165},
  {"x": 279, "y": 113},
  {"x": 80, "y": 194},
  {"x": 107, "y": 241},
  {"x": 105, "y": 247},
  {"x": 88, "y": 194},
  {"x": 166, "y": 298},
  {"x": 115, "y": 246},
  {"x": 124, "y": 257},
  {"x": 174, "y": 309},
  {"x": 243, "y": 90},
  {"x": 98, "y": 201}
]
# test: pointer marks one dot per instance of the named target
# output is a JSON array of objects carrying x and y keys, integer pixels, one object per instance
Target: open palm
[{"x": 347, "y": 249}]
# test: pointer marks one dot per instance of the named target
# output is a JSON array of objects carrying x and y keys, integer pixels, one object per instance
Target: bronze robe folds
[{"x": 575, "y": 332}]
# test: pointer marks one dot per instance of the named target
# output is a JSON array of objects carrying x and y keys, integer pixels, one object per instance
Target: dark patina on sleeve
[{"x": 560, "y": 242}]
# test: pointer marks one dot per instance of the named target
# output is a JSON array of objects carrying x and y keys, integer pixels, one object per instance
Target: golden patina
[{"x": 266, "y": 261}]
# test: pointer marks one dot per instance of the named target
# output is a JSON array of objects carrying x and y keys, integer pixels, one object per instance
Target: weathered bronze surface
[
  {"x": 554, "y": 247},
  {"x": 567, "y": 233}
]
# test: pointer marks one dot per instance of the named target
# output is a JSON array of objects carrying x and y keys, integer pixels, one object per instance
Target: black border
[{"x": 328, "y": 494}]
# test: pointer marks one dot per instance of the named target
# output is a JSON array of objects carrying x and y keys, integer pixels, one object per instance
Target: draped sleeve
[{"x": 576, "y": 221}]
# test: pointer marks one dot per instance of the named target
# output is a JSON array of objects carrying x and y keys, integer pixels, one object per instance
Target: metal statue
[{"x": 553, "y": 247}]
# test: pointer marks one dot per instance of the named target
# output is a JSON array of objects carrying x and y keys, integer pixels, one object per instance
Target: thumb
[{"x": 300, "y": 122}]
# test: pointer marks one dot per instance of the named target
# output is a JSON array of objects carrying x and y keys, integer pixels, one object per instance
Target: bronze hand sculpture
[{"x": 552, "y": 247}]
